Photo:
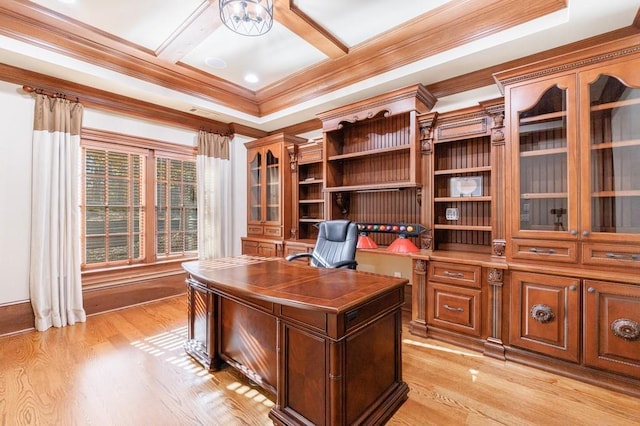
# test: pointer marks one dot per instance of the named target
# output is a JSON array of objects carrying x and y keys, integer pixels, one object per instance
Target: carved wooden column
[
  {"x": 427, "y": 124},
  {"x": 418, "y": 324},
  {"x": 292, "y": 150},
  {"x": 496, "y": 111},
  {"x": 494, "y": 346}
]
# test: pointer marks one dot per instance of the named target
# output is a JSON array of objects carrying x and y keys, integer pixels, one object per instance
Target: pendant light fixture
[{"x": 247, "y": 17}]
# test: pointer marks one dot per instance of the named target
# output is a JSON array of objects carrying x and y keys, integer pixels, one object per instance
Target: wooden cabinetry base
[
  {"x": 462, "y": 340},
  {"x": 494, "y": 348},
  {"x": 603, "y": 379}
]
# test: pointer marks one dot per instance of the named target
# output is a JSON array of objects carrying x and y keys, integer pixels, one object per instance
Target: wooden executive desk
[{"x": 326, "y": 342}]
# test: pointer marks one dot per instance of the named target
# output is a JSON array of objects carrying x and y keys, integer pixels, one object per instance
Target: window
[
  {"x": 114, "y": 206},
  {"x": 176, "y": 210},
  {"x": 139, "y": 201}
]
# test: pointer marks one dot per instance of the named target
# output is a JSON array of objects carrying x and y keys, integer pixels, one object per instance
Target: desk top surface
[{"x": 292, "y": 283}]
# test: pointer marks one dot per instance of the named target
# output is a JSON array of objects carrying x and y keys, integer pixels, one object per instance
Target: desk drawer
[
  {"x": 453, "y": 273},
  {"x": 454, "y": 308}
]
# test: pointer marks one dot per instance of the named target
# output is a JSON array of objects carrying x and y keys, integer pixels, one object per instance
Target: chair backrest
[{"x": 337, "y": 240}]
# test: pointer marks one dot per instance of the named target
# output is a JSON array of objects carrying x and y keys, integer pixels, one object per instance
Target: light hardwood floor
[{"x": 128, "y": 368}]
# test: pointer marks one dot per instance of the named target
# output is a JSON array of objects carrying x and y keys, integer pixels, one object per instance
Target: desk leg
[{"x": 201, "y": 341}]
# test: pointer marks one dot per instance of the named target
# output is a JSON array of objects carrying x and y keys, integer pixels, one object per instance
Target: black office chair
[{"x": 335, "y": 246}]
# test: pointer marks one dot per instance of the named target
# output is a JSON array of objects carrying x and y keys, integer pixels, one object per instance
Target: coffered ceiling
[{"x": 318, "y": 55}]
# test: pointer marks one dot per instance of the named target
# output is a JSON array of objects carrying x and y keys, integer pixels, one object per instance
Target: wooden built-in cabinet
[
  {"x": 545, "y": 314},
  {"x": 574, "y": 158},
  {"x": 552, "y": 315},
  {"x": 460, "y": 149},
  {"x": 457, "y": 283},
  {"x": 372, "y": 159},
  {"x": 612, "y": 327},
  {"x": 454, "y": 297},
  {"x": 269, "y": 194},
  {"x": 531, "y": 205},
  {"x": 309, "y": 194},
  {"x": 573, "y": 234}
]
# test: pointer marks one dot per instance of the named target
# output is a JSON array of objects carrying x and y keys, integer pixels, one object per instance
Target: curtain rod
[
  {"x": 40, "y": 91},
  {"x": 215, "y": 132}
]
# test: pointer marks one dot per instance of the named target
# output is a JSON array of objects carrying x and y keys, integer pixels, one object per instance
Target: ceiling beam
[
  {"x": 194, "y": 30},
  {"x": 299, "y": 23}
]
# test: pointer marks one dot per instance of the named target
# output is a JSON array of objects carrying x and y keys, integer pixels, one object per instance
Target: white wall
[{"x": 16, "y": 122}]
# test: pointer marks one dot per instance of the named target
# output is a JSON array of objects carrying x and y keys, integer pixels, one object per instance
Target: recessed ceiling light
[
  {"x": 251, "y": 78},
  {"x": 214, "y": 62},
  {"x": 67, "y": 1}
]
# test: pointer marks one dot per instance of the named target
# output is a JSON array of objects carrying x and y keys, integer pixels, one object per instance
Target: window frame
[{"x": 150, "y": 264}]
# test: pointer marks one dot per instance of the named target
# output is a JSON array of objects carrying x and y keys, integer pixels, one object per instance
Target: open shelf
[
  {"x": 468, "y": 157},
  {"x": 463, "y": 227},
  {"x": 373, "y": 187},
  {"x": 462, "y": 170},
  {"x": 369, "y": 153},
  {"x": 462, "y": 199}
]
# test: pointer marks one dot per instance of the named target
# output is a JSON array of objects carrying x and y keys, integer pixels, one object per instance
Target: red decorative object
[
  {"x": 366, "y": 242},
  {"x": 402, "y": 245}
]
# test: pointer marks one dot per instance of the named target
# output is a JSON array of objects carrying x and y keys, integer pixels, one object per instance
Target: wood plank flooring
[{"x": 128, "y": 368}]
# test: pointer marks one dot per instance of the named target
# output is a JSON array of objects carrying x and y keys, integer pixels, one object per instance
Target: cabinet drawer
[
  {"x": 557, "y": 251},
  {"x": 612, "y": 327},
  {"x": 273, "y": 231},
  {"x": 254, "y": 229},
  {"x": 310, "y": 155},
  {"x": 452, "y": 273},
  {"x": 611, "y": 255},
  {"x": 454, "y": 308},
  {"x": 465, "y": 129},
  {"x": 250, "y": 247},
  {"x": 293, "y": 248}
]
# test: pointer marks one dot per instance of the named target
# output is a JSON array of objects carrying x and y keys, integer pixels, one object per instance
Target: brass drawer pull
[
  {"x": 542, "y": 251},
  {"x": 542, "y": 313},
  {"x": 633, "y": 256},
  {"x": 454, "y": 274},
  {"x": 450, "y": 308},
  {"x": 626, "y": 329}
]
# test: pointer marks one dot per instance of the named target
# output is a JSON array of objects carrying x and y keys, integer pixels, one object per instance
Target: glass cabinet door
[
  {"x": 611, "y": 152},
  {"x": 544, "y": 139},
  {"x": 272, "y": 187},
  {"x": 255, "y": 188}
]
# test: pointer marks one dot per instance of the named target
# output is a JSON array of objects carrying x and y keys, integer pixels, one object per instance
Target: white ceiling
[{"x": 280, "y": 54}]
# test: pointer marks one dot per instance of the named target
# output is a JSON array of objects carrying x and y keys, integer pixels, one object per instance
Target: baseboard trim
[{"x": 18, "y": 317}]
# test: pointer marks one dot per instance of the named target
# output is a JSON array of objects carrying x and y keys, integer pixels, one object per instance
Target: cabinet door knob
[
  {"x": 572, "y": 287},
  {"x": 585, "y": 233},
  {"x": 626, "y": 329},
  {"x": 591, "y": 290},
  {"x": 573, "y": 232},
  {"x": 542, "y": 313}
]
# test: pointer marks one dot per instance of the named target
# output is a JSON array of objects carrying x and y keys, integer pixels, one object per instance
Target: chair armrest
[
  {"x": 344, "y": 264},
  {"x": 297, "y": 256}
]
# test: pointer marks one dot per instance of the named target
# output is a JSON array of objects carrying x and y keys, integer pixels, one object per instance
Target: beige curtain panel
[
  {"x": 54, "y": 277},
  {"x": 215, "y": 221}
]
